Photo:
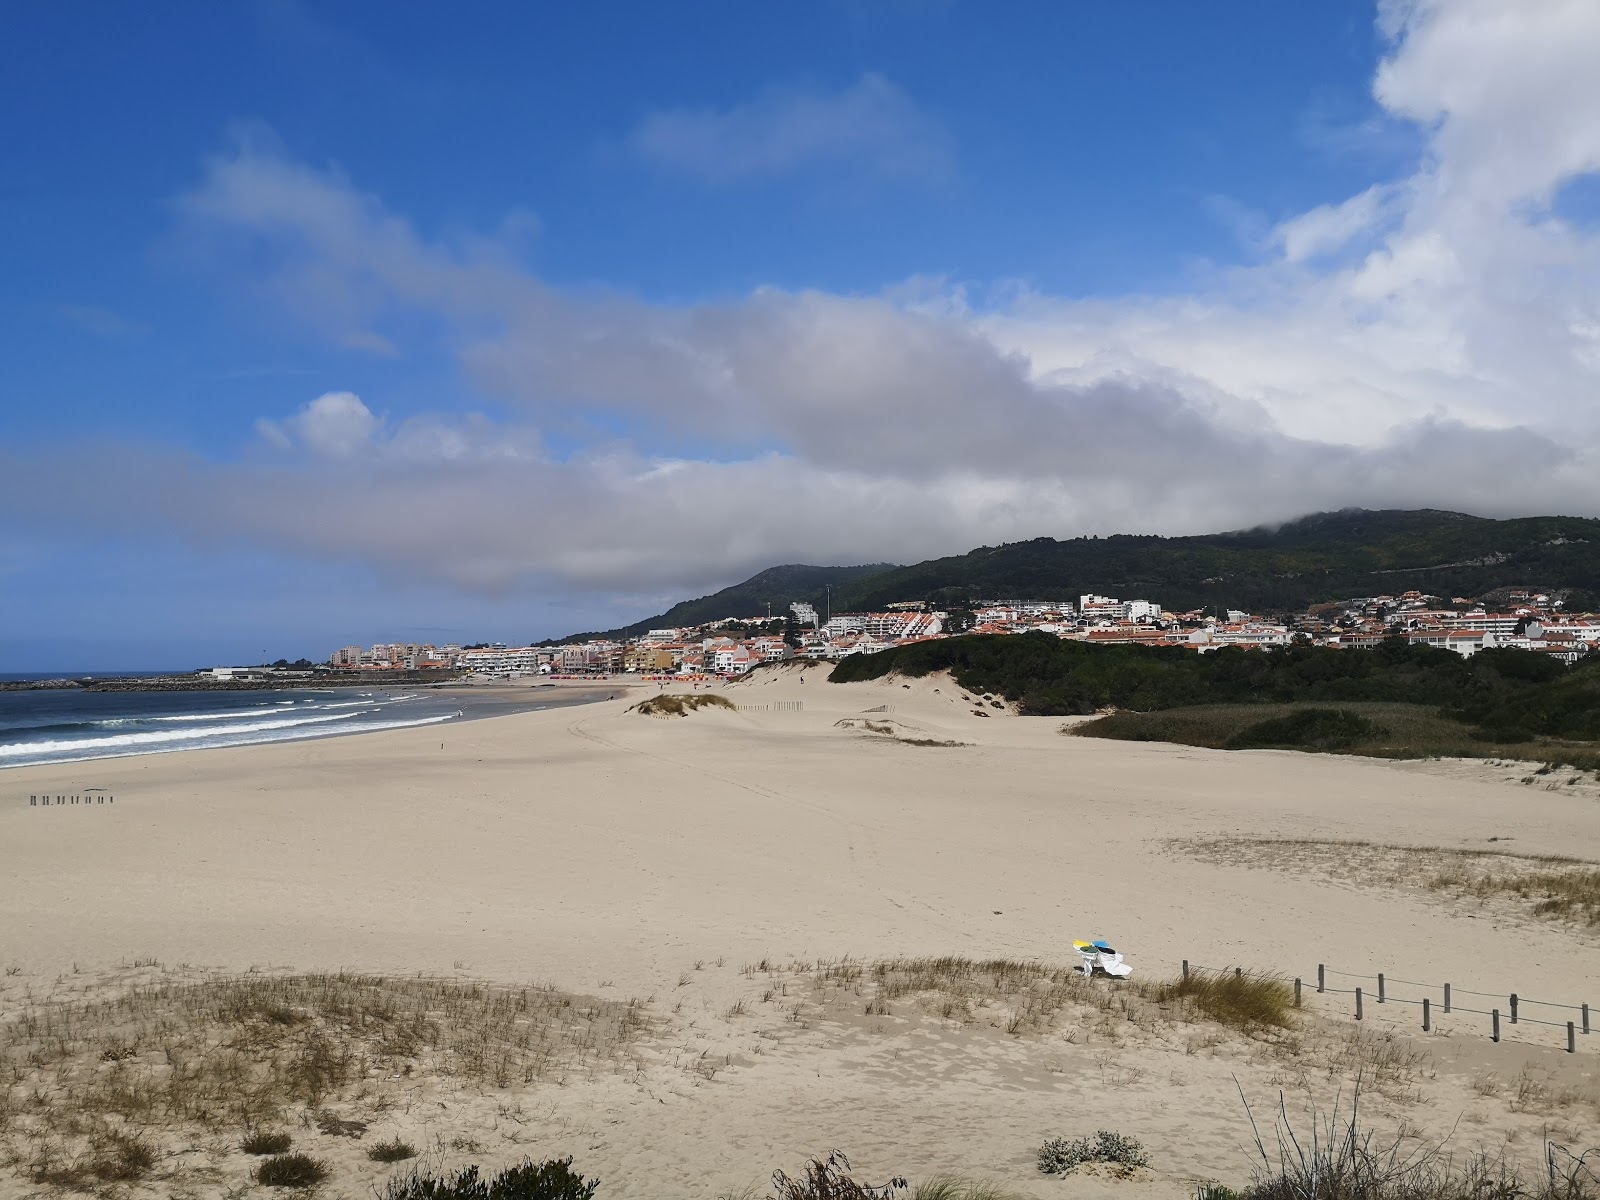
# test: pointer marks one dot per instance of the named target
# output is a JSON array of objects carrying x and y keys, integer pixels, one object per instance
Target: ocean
[{"x": 70, "y": 725}]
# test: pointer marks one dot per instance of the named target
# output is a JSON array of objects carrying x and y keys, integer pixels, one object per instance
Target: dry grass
[
  {"x": 394, "y": 1150},
  {"x": 1034, "y": 998},
  {"x": 1572, "y": 893},
  {"x": 291, "y": 1171},
  {"x": 85, "y": 1082},
  {"x": 1337, "y": 1158},
  {"x": 954, "y": 1187},
  {"x": 1552, "y": 886},
  {"x": 258, "y": 1142},
  {"x": 674, "y": 704},
  {"x": 1236, "y": 999}
]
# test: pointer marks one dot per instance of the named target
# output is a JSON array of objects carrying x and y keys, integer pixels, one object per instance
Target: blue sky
[{"x": 367, "y": 322}]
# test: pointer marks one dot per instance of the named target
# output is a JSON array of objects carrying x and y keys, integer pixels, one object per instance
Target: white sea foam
[
  {"x": 223, "y": 716},
  {"x": 159, "y": 737},
  {"x": 132, "y": 744}
]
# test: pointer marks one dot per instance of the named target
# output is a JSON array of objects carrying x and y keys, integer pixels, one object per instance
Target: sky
[{"x": 360, "y": 321}]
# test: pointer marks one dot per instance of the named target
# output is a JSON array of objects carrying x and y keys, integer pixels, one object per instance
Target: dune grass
[
  {"x": 259, "y": 1142},
  {"x": 394, "y": 1150},
  {"x": 1337, "y": 1158},
  {"x": 955, "y": 1187},
  {"x": 1555, "y": 887},
  {"x": 291, "y": 1171},
  {"x": 677, "y": 704},
  {"x": 1237, "y": 999},
  {"x": 1572, "y": 894},
  {"x": 98, "y": 1088}
]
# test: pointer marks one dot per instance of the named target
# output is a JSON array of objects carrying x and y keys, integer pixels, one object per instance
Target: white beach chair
[{"x": 1099, "y": 956}]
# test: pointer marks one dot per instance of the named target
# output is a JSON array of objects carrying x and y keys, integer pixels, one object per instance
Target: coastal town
[{"x": 734, "y": 645}]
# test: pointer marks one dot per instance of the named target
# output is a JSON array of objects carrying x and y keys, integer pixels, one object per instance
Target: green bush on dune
[
  {"x": 1062, "y": 1156},
  {"x": 553, "y": 1179},
  {"x": 1310, "y": 729}
]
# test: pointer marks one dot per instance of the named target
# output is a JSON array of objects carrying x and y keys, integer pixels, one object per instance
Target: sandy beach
[{"x": 617, "y": 855}]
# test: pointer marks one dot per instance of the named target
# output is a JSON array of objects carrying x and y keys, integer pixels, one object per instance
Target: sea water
[{"x": 70, "y": 724}]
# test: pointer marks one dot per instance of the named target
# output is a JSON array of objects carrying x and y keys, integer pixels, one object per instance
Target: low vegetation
[
  {"x": 1339, "y": 1159},
  {"x": 261, "y": 1142},
  {"x": 291, "y": 1171},
  {"x": 1571, "y": 893},
  {"x": 1500, "y": 697},
  {"x": 1310, "y": 729},
  {"x": 1551, "y": 886},
  {"x": 394, "y": 1150},
  {"x": 553, "y": 1179},
  {"x": 1062, "y": 1156},
  {"x": 830, "y": 1179},
  {"x": 1238, "y": 999},
  {"x": 1376, "y": 730},
  {"x": 673, "y": 704},
  {"x": 100, "y": 1088}
]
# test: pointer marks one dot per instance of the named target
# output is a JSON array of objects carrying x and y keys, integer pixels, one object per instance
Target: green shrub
[
  {"x": 553, "y": 1179},
  {"x": 1501, "y": 736},
  {"x": 260, "y": 1142},
  {"x": 1061, "y": 1156},
  {"x": 394, "y": 1150},
  {"x": 291, "y": 1171},
  {"x": 1310, "y": 729}
]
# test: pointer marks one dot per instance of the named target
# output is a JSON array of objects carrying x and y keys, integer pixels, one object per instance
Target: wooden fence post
[
  {"x": 1321, "y": 982},
  {"x": 1572, "y": 1038},
  {"x": 1186, "y": 970},
  {"x": 1426, "y": 1016},
  {"x": 1380, "y": 987},
  {"x": 1513, "y": 1008},
  {"x": 1447, "y": 997},
  {"x": 1496, "y": 1034},
  {"x": 1297, "y": 991},
  {"x": 1586, "y": 1018},
  {"x": 1358, "y": 1004}
]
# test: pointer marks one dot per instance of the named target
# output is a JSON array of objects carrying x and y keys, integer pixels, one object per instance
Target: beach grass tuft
[
  {"x": 1240, "y": 1000},
  {"x": 394, "y": 1150},
  {"x": 291, "y": 1171},
  {"x": 262, "y": 1142},
  {"x": 675, "y": 704}
]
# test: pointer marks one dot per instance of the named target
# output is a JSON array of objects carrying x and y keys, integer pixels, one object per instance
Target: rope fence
[{"x": 1515, "y": 1003}]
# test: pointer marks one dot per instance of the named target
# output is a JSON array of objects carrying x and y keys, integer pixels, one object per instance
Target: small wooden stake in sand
[{"x": 1358, "y": 1004}]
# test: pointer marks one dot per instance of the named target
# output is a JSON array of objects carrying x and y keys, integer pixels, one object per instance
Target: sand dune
[{"x": 622, "y": 855}]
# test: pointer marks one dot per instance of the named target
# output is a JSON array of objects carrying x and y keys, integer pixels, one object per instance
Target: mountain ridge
[{"x": 1275, "y": 568}]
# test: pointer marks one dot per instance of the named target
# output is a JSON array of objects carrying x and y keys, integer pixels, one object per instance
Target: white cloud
[
  {"x": 871, "y": 126},
  {"x": 1430, "y": 341}
]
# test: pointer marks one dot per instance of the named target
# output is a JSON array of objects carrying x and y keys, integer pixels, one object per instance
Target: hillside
[
  {"x": 1327, "y": 556},
  {"x": 777, "y": 586},
  {"x": 1271, "y": 569}
]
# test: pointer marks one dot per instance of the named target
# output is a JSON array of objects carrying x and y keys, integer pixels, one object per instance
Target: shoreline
[{"x": 511, "y": 699}]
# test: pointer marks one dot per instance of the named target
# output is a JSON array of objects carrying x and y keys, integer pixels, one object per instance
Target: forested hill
[
  {"x": 777, "y": 586},
  {"x": 1327, "y": 556},
  {"x": 1276, "y": 569}
]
